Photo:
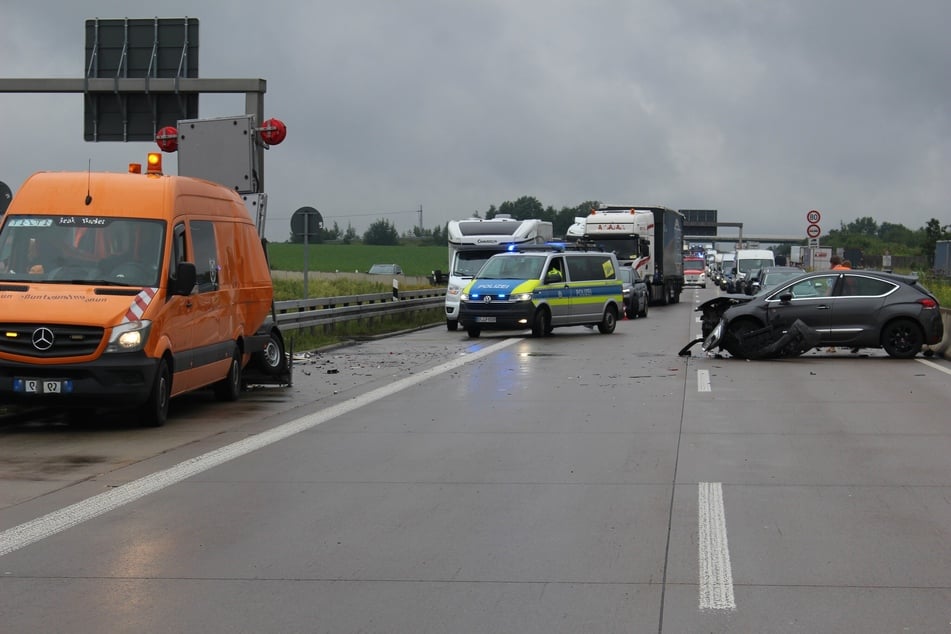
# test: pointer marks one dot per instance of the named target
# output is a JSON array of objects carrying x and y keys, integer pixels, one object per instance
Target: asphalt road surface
[{"x": 432, "y": 483}]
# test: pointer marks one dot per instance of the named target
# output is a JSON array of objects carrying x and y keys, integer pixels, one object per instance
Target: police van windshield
[
  {"x": 513, "y": 267},
  {"x": 81, "y": 249}
]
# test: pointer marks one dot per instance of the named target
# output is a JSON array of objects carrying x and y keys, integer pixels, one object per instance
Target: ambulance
[
  {"x": 129, "y": 289},
  {"x": 542, "y": 290}
]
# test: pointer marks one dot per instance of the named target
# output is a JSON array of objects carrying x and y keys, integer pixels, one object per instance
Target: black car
[
  {"x": 853, "y": 309},
  {"x": 635, "y": 290}
]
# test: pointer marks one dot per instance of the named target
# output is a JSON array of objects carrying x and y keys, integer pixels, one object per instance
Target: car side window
[
  {"x": 857, "y": 285},
  {"x": 555, "y": 266},
  {"x": 578, "y": 269},
  {"x": 813, "y": 287}
]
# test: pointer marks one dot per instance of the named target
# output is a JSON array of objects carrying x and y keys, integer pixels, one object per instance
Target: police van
[{"x": 543, "y": 290}]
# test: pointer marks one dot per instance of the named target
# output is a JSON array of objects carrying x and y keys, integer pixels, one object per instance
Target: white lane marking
[
  {"x": 703, "y": 380},
  {"x": 932, "y": 364},
  {"x": 33, "y": 531},
  {"x": 716, "y": 575}
]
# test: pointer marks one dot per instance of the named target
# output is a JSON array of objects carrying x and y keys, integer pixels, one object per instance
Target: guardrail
[{"x": 296, "y": 314}]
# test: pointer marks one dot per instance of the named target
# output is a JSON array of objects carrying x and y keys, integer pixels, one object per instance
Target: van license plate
[
  {"x": 38, "y": 386},
  {"x": 485, "y": 320}
]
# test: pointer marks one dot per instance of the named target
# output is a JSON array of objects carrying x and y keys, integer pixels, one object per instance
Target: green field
[{"x": 329, "y": 258}]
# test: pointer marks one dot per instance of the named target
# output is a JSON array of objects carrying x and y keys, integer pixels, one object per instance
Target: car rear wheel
[
  {"x": 608, "y": 321},
  {"x": 902, "y": 338}
]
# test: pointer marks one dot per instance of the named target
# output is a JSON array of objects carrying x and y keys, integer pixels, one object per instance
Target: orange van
[{"x": 129, "y": 289}]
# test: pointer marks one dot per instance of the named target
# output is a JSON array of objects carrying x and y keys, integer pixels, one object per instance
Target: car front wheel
[
  {"x": 902, "y": 338},
  {"x": 737, "y": 345}
]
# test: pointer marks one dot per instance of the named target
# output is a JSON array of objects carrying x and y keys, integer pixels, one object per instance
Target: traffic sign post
[{"x": 813, "y": 231}]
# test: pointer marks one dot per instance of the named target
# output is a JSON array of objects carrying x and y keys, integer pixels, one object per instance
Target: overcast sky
[{"x": 760, "y": 109}]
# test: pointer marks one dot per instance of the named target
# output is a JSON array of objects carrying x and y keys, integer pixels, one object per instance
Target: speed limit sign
[{"x": 813, "y": 217}]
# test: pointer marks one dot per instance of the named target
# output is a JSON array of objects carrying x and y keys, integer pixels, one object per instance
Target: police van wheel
[
  {"x": 608, "y": 321},
  {"x": 541, "y": 324},
  {"x": 474, "y": 331},
  {"x": 154, "y": 412}
]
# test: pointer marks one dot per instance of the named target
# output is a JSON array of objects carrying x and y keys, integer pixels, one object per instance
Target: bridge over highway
[{"x": 749, "y": 237}]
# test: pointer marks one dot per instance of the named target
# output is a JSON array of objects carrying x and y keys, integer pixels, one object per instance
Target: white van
[{"x": 748, "y": 260}]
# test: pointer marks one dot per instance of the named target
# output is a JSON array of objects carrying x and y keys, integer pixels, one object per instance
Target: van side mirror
[
  {"x": 553, "y": 278},
  {"x": 184, "y": 280}
]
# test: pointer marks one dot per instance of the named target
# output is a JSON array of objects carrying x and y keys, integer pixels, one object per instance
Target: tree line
[
  {"x": 384, "y": 232},
  {"x": 869, "y": 236}
]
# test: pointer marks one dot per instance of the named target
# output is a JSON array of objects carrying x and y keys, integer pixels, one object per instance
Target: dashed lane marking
[
  {"x": 703, "y": 381},
  {"x": 716, "y": 574}
]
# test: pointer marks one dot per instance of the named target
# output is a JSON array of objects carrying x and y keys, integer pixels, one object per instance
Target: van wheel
[
  {"x": 608, "y": 321},
  {"x": 452, "y": 325},
  {"x": 474, "y": 331},
  {"x": 541, "y": 323},
  {"x": 229, "y": 388},
  {"x": 272, "y": 360},
  {"x": 155, "y": 411}
]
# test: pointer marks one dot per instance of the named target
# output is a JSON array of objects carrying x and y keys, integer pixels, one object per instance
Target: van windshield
[
  {"x": 513, "y": 267},
  {"x": 747, "y": 265},
  {"x": 81, "y": 250}
]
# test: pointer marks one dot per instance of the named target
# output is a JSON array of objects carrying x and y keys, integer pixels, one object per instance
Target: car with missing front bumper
[{"x": 848, "y": 308}]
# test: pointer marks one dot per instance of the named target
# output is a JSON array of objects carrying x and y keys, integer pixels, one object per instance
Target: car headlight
[
  {"x": 453, "y": 290},
  {"x": 522, "y": 297},
  {"x": 129, "y": 337}
]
